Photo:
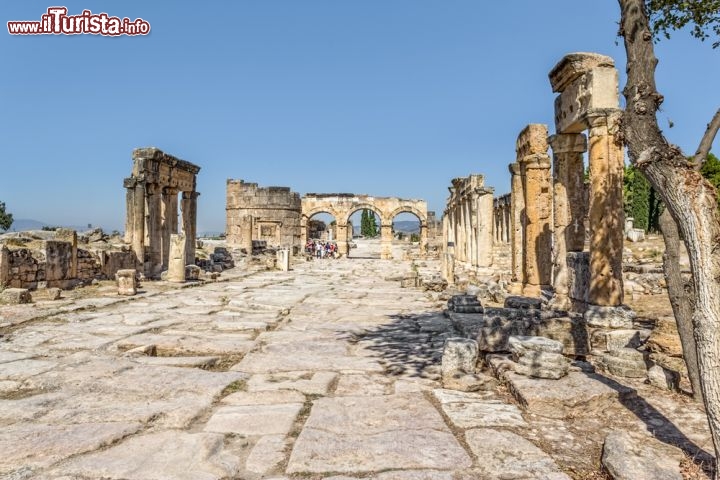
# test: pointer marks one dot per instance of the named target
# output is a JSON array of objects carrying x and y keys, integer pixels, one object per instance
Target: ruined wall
[
  {"x": 273, "y": 215},
  {"x": 58, "y": 263}
]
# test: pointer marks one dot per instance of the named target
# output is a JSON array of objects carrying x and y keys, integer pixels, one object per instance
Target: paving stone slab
[
  {"x": 265, "y": 397},
  {"x": 365, "y": 434},
  {"x": 504, "y": 455},
  {"x": 363, "y": 385},
  {"x": 169, "y": 455},
  {"x": 578, "y": 393},
  {"x": 309, "y": 383},
  {"x": 267, "y": 454},
  {"x": 254, "y": 419},
  {"x": 40, "y": 445},
  {"x": 474, "y": 411},
  {"x": 629, "y": 456}
]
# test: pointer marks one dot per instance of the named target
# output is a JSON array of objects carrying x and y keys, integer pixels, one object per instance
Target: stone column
[
  {"x": 189, "y": 225},
  {"x": 507, "y": 223},
  {"x": 606, "y": 214},
  {"x": 129, "y": 184},
  {"x": 4, "y": 266},
  {"x": 568, "y": 208},
  {"x": 246, "y": 234},
  {"x": 342, "y": 240},
  {"x": 485, "y": 215},
  {"x": 154, "y": 224},
  {"x": 176, "y": 266},
  {"x": 517, "y": 230},
  {"x": 169, "y": 221},
  {"x": 139, "y": 220},
  {"x": 474, "y": 217},
  {"x": 538, "y": 234},
  {"x": 423, "y": 238},
  {"x": 386, "y": 241}
]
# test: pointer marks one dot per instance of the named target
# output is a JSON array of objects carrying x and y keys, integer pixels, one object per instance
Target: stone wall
[{"x": 269, "y": 214}]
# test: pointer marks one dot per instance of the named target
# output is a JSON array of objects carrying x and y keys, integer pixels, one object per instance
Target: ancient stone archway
[{"x": 343, "y": 205}]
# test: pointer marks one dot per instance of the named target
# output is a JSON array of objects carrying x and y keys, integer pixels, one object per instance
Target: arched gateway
[{"x": 343, "y": 205}]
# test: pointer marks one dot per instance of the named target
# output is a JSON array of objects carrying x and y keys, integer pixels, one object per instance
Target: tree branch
[{"x": 707, "y": 140}]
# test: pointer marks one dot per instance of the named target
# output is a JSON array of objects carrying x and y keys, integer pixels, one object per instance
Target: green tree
[
  {"x": 641, "y": 200},
  {"x": 711, "y": 171},
  {"x": 368, "y": 224},
  {"x": 6, "y": 219}
]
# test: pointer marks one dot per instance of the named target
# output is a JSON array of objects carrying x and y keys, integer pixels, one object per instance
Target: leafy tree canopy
[{"x": 702, "y": 16}]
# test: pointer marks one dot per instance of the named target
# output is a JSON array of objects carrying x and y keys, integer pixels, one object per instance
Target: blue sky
[{"x": 386, "y": 97}]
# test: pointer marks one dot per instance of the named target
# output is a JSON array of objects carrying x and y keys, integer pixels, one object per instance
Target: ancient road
[{"x": 327, "y": 371}]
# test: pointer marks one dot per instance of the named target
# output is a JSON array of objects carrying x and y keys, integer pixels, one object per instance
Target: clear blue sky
[{"x": 390, "y": 98}]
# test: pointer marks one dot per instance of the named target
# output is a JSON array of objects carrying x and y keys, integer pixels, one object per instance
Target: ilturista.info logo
[{"x": 57, "y": 22}]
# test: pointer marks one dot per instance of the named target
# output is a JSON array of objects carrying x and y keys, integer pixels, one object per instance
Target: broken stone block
[
  {"x": 663, "y": 378},
  {"x": 609, "y": 317},
  {"x": 521, "y": 345},
  {"x": 176, "y": 263},
  {"x": 617, "y": 339},
  {"x": 465, "y": 304},
  {"x": 127, "y": 283},
  {"x": 571, "y": 331},
  {"x": 54, "y": 293},
  {"x": 192, "y": 272},
  {"x": 538, "y": 357},
  {"x": 625, "y": 362},
  {"x": 635, "y": 457},
  {"x": 459, "y": 354},
  {"x": 524, "y": 303},
  {"x": 15, "y": 296}
]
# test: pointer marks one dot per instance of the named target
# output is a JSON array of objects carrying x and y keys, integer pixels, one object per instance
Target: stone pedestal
[
  {"x": 246, "y": 226},
  {"x": 176, "y": 267},
  {"x": 127, "y": 283},
  {"x": 283, "y": 260}
]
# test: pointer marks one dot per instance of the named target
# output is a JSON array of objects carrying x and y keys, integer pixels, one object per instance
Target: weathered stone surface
[
  {"x": 663, "y": 378},
  {"x": 521, "y": 345},
  {"x": 609, "y": 340},
  {"x": 635, "y": 457},
  {"x": 40, "y": 445},
  {"x": 126, "y": 282},
  {"x": 578, "y": 393},
  {"x": 309, "y": 383},
  {"x": 625, "y": 362},
  {"x": 267, "y": 454},
  {"x": 505, "y": 455},
  {"x": 363, "y": 385},
  {"x": 196, "y": 456},
  {"x": 472, "y": 410},
  {"x": 15, "y": 296},
  {"x": 523, "y": 303},
  {"x": 610, "y": 317},
  {"x": 254, "y": 419},
  {"x": 392, "y": 432},
  {"x": 192, "y": 272},
  {"x": 268, "y": 397},
  {"x": 572, "y": 332},
  {"x": 459, "y": 354},
  {"x": 176, "y": 262}
]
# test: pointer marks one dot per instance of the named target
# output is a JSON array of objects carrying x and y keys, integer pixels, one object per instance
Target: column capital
[
  {"x": 568, "y": 143},
  {"x": 603, "y": 119},
  {"x": 515, "y": 168},
  {"x": 480, "y": 191},
  {"x": 190, "y": 195},
  {"x": 536, "y": 161}
]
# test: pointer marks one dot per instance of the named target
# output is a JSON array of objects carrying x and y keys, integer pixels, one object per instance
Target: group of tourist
[{"x": 321, "y": 249}]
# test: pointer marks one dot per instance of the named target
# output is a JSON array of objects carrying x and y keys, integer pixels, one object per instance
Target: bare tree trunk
[
  {"x": 691, "y": 200},
  {"x": 680, "y": 293}
]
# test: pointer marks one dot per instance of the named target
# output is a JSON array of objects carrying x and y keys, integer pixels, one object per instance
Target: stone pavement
[{"x": 328, "y": 371}]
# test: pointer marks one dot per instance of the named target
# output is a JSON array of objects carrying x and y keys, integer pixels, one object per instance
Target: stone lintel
[
  {"x": 484, "y": 191},
  {"x": 595, "y": 90},
  {"x": 568, "y": 143},
  {"x": 536, "y": 161},
  {"x": 142, "y": 155},
  {"x": 573, "y": 65},
  {"x": 531, "y": 140}
]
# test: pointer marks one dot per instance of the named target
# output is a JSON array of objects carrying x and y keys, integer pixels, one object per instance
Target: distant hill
[{"x": 24, "y": 224}]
